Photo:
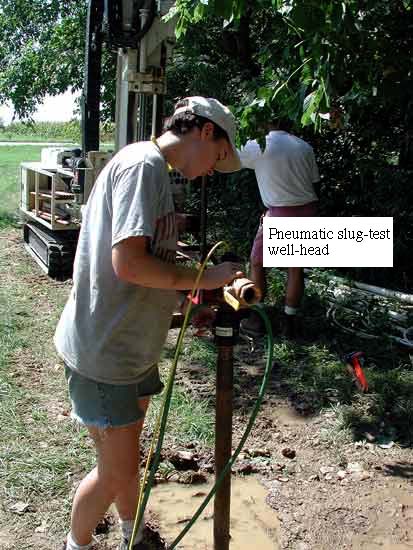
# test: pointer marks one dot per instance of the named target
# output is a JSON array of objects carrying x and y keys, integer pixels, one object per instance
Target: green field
[
  {"x": 54, "y": 132},
  {"x": 11, "y": 156},
  {"x": 10, "y": 159},
  {"x": 5, "y": 137}
]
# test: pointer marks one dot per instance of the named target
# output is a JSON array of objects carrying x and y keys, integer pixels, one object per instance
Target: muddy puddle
[
  {"x": 396, "y": 510},
  {"x": 253, "y": 523},
  {"x": 285, "y": 415}
]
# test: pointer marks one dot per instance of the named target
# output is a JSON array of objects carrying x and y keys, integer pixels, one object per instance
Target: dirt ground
[
  {"x": 326, "y": 493},
  {"x": 330, "y": 494}
]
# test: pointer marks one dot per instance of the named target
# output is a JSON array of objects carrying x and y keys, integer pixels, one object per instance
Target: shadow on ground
[
  {"x": 312, "y": 374},
  {"x": 399, "y": 469}
]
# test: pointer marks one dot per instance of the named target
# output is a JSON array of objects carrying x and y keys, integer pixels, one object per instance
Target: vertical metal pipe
[
  {"x": 143, "y": 108},
  {"x": 143, "y": 52},
  {"x": 124, "y": 100},
  {"x": 90, "y": 102},
  {"x": 119, "y": 70},
  {"x": 203, "y": 221},
  {"x": 142, "y": 67},
  {"x": 224, "y": 332},
  {"x": 154, "y": 115}
]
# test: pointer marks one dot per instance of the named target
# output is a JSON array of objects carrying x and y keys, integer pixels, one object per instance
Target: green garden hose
[
  {"x": 228, "y": 466},
  {"x": 159, "y": 431}
]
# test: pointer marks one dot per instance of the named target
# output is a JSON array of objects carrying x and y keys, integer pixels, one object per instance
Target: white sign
[{"x": 328, "y": 242}]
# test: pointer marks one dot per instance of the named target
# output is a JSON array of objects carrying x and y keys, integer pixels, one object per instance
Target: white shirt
[{"x": 285, "y": 171}]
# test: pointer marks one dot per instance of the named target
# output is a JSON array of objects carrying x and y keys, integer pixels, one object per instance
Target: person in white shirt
[{"x": 286, "y": 171}]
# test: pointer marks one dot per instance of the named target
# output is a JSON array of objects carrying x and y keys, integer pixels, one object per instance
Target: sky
[{"x": 54, "y": 108}]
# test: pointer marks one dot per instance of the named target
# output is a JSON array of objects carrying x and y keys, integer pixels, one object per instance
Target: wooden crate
[{"x": 41, "y": 192}]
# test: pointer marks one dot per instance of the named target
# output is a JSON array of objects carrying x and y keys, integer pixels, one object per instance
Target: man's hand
[
  {"x": 220, "y": 275},
  {"x": 133, "y": 263},
  {"x": 204, "y": 317}
]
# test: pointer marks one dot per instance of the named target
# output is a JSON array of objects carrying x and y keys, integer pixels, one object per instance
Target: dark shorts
[
  {"x": 109, "y": 405},
  {"x": 303, "y": 210}
]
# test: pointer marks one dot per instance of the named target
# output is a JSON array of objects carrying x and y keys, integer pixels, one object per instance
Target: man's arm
[
  {"x": 249, "y": 154},
  {"x": 133, "y": 263}
]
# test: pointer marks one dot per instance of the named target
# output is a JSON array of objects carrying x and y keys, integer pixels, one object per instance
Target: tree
[
  {"x": 318, "y": 57},
  {"x": 42, "y": 52},
  {"x": 38, "y": 50},
  {"x": 341, "y": 71},
  {"x": 294, "y": 58}
]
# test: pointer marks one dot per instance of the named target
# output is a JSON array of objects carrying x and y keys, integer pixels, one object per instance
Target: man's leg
[
  {"x": 115, "y": 478},
  {"x": 295, "y": 287},
  {"x": 257, "y": 271},
  {"x": 258, "y": 277},
  {"x": 294, "y": 295},
  {"x": 253, "y": 325}
]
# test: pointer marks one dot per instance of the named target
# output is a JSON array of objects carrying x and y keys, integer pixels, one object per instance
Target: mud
[
  {"x": 253, "y": 523},
  {"x": 392, "y": 528},
  {"x": 327, "y": 492},
  {"x": 285, "y": 415}
]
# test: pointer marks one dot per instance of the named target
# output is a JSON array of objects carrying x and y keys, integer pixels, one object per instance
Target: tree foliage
[
  {"x": 317, "y": 57},
  {"x": 39, "y": 50},
  {"x": 294, "y": 58},
  {"x": 340, "y": 70},
  {"x": 42, "y": 45}
]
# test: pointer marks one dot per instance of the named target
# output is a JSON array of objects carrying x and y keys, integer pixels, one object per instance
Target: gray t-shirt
[{"x": 110, "y": 330}]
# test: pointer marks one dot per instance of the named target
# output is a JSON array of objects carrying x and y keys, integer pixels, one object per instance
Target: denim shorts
[{"x": 109, "y": 405}]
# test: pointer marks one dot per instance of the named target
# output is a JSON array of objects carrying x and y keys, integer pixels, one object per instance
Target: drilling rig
[{"x": 55, "y": 189}]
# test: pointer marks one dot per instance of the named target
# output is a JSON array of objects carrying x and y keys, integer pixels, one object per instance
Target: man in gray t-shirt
[{"x": 115, "y": 322}]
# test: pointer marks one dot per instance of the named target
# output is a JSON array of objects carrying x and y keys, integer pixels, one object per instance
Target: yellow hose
[{"x": 157, "y": 434}]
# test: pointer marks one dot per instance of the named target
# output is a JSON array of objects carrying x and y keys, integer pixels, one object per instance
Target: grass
[
  {"x": 202, "y": 352},
  {"x": 10, "y": 159},
  {"x": 40, "y": 449},
  {"x": 190, "y": 420},
  {"x": 314, "y": 370}
]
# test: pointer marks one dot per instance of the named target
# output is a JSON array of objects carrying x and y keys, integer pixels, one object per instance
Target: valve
[{"x": 242, "y": 293}]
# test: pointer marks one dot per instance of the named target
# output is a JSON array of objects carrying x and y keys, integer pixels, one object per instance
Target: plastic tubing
[{"x": 160, "y": 427}]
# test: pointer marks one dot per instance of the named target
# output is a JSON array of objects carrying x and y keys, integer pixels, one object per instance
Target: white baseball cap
[{"x": 214, "y": 111}]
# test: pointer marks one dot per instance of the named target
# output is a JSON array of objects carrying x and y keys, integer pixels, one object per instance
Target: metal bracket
[{"x": 153, "y": 82}]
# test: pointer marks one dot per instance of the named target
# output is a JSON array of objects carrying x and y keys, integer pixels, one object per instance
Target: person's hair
[
  {"x": 281, "y": 123},
  {"x": 184, "y": 122}
]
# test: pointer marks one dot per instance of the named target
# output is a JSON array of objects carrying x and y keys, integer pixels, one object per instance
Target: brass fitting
[{"x": 242, "y": 293}]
